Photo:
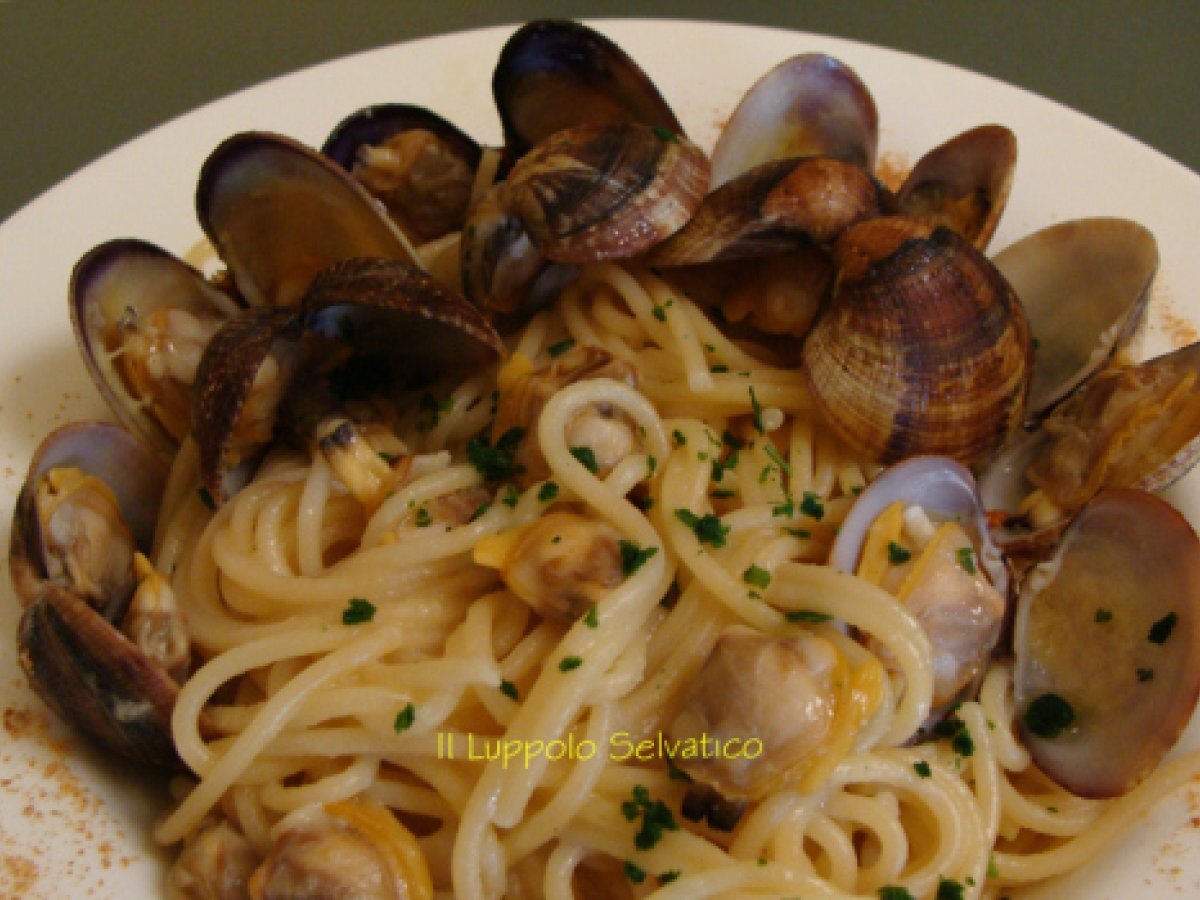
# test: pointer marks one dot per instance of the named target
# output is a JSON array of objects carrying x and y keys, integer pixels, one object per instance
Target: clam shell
[
  {"x": 423, "y": 215},
  {"x": 1084, "y": 285},
  {"x": 109, "y": 282},
  {"x": 924, "y": 348},
  {"x": 773, "y": 208},
  {"x": 135, "y": 474},
  {"x": 94, "y": 677},
  {"x": 809, "y": 105},
  {"x": 1111, "y": 627},
  {"x": 278, "y": 213},
  {"x": 964, "y": 183},
  {"x": 555, "y": 74}
]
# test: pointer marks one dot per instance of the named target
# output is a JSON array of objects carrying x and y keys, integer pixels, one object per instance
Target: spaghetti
[{"x": 355, "y": 652}]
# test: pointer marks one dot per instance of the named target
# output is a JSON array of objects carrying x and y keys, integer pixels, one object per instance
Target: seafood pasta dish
[{"x": 601, "y": 516}]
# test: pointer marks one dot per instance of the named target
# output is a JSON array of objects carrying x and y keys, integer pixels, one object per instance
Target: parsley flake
[
  {"x": 656, "y": 818},
  {"x": 1145, "y": 674},
  {"x": 405, "y": 719},
  {"x": 966, "y": 559},
  {"x": 800, "y": 533},
  {"x": 592, "y": 617},
  {"x": 557, "y": 350},
  {"x": 897, "y": 555},
  {"x": 719, "y": 369},
  {"x": 669, "y": 876},
  {"x": 633, "y": 556},
  {"x": 948, "y": 889},
  {"x": 1161, "y": 630},
  {"x": 807, "y": 615},
  {"x": 1048, "y": 716},
  {"x": 1102, "y": 616},
  {"x": 665, "y": 134},
  {"x": 548, "y": 492},
  {"x": 680, "y": 438},
  {"x": 586, "y": 457},
  {"x": 774, "y": 456},
  {"x": 634, "y": 872},
  {"x": 757, "y": 412},
  {"x": 708, "y": 528},
  {"x": 423, "y": 519},
  {"x": 894, "y": 892},
  {"x": 496, "y": 463},
  {"x": 206, "y": 498},
  {"x": 511, "y": 496},
  {"x": 508, "y": 689},
  {"x": 570, "y": 663},
  {"x": 358, "y": 611},
  {"x": 757, "y": 576},
  {"x": 812, "y": 507},
  {"x": 922, "y": 768}
]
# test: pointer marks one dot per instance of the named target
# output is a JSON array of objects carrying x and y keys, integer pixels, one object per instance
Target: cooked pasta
[{"x": 376, "y": 649}]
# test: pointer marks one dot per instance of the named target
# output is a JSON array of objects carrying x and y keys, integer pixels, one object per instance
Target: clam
[
  {"x": 920, "y": 532},
  {"x": 1134, "y": 426},
  {"x": 809, "y": 105},
  {"x": 1084, "y": 285},
  {"x": 964, "y": 183},
  {"x": 396, "y": 319},
  {"x": 354, "y": 848},
  {"x": 1107, "y": 634},
  {"x": 279, "y": 212},
  {"x": 555, "y": 74},
  {"x": 588, "y": 193},
  {"x": 91, "y": 494},
  {"x": 142, "y": 317},
  {"x": 924, "y": 348},
  {"x": 421, "y": 167},
  {"x": 76, "y": 659},
  {"x": 773, "y": 208}
]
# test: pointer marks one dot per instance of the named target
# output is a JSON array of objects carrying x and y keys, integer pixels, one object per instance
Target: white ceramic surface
[{"x": 74, "y": 825}]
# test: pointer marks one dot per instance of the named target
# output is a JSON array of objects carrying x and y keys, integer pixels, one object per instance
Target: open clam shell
[
  {"x": 945, "y": 489},
  {"x": 94, "y": 677},
  {"x": 964, "y": 183},
  {"x": 1084, "y": 285},
  {"x": 420, "y": 166},
  {"x": 1135, "y": 427},
  {"x": 555, "y": 74},
  {"x": 809, "y": 105},
  {"x": 279, "y": 212},
  {"x": 1107, "y": 644},
  {"x": 124, "y": 294},
  {"x": 135, "y": 475},
  {"x": 773, "y": 208}
]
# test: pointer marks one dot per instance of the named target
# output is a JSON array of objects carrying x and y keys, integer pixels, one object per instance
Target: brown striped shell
[{"x": 925, "y": 349}]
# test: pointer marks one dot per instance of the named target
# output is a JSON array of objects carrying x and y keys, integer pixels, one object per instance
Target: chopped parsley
[
  {"x": 1048, "y": 716},
  {"x": 1102, "y": 616},
  {"x": 674, "y": 773},
  {"x": 948, "y": 889},
  {"x": 962, "y": 743},
  {"x": 634, "y": 872},
  {"x": 812, "y": 507},
  {"x": 557, "y": 350},
  {"x": 774, "y": 456},
  {"x": 800, "y": 533},
  {"x": 897, "y": 555},
  {"x": 757, "y": 577},
  {"x": 405, "y": 719},
  {"x": 592, "y": 617},
  {"x": 423, "y": 519},
  {"x": 665, "y": 134},
  {"x": 722, "y": 493},
  {"x": 1145, "y": 674},
  {"x": 786, "y": 509},
  {"x": 708, "y": 528},
  {"x": 586, "y": 457},
  {"x": 757, "y": 411},
  {"x": 966, "y": 559},
  {"x": 656, "y": 818},
  {"x": 479, "y": 510},
  {"x": 807, "y": 615},
  {"x": 206, "y": 498},
  {"x": 634, "y": 556},
  {"x": 680, "y": 438},
  {"x": 651, "y": 464},
  {"x": 548, "y": 492},
  {"x": 511, "y": 496},
  {"x": 669, "y": 876},
  {"x": 1161, "y": 630},
  {"x": 922, "y": 768},
  {"x": 496, "y": 463},
  {"x": 358, "y": 611},
  {"x": 719, "y": 369},
  {"x": 894, "y": 892},
  {"x": 570, "y": 663},
  {"x": 508, "y": 689},
  {"x": 659, "y": 313}
]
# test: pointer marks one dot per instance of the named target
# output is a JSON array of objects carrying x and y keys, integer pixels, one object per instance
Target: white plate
[{"x": 72, "y": 824}]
